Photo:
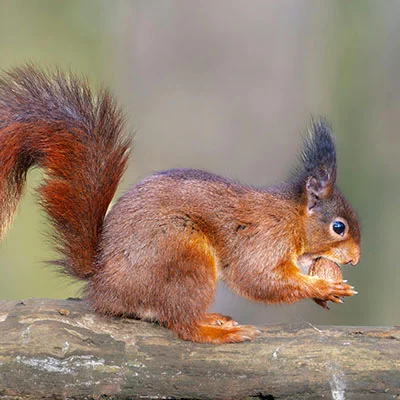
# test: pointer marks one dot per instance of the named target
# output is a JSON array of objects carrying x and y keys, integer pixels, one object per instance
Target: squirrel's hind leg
[
  {"x": 189, "y": 288},
  {"x": 174, "y": 285}
]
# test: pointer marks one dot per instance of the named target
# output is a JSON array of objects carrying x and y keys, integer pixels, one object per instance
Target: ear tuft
[{"x": 316, "y": 171}]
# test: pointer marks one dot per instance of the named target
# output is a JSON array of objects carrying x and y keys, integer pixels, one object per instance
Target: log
[{"x": 60, "y": 349}]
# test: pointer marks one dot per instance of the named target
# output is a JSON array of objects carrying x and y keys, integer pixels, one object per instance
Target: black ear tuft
[{"x": 316, "y": 172}]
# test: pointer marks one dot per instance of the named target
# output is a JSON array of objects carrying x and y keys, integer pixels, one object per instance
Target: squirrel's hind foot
[
  {"x": 216, "y": 319},
  {"x": 218, "y": 329}
]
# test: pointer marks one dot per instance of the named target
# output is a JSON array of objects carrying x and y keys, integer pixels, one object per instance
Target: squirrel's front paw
[
  {"x": 331, "y": 286},
  {"x": 332, "y": 291}
]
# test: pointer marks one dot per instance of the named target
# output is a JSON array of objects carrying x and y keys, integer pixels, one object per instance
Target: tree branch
[{"x": 60, "y": 349}]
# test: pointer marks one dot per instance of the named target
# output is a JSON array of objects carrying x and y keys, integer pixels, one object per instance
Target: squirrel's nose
[{"x": 355, "y": 259}]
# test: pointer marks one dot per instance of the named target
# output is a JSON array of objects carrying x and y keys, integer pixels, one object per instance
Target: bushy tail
[{"x": 53, "y": 121}]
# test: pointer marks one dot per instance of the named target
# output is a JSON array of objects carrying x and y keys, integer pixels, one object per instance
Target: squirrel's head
[{"x": 331, "y": 227}]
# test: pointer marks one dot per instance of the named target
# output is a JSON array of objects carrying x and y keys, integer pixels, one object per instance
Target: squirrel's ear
[
  {"x": 319, "y": 186},
  {"x": 317, "y": 168}
]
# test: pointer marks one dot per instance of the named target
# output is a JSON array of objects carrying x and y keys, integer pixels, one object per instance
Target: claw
[{"x": 321, "y": 303}]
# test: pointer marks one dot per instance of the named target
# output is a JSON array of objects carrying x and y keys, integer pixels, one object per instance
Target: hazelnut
[{"x": 326, "y": 269}]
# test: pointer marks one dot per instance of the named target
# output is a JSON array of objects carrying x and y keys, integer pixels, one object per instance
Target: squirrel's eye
[{"x": 338, "y": 227}]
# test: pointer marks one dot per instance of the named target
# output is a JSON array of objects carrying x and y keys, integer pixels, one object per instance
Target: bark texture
[{"x": 60, "y": 349}]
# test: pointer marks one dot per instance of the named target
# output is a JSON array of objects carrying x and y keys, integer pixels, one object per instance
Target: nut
[{"x": 326, "y": 269}]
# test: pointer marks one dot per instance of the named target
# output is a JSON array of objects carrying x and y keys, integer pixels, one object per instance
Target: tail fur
[{"x": 53, "y": 121}]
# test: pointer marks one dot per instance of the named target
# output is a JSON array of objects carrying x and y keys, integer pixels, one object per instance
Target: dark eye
[{"x": 338, "y": 227}]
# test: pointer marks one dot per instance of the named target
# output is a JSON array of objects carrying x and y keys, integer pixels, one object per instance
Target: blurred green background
[{"x": 228, "y": 86}]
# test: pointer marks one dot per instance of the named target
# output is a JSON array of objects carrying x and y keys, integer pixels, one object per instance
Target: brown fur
[
  {"x": 160, "y": 250},
  {"x": 55, "y": 123}
]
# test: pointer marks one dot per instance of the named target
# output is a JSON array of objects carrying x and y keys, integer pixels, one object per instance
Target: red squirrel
[{"x": 159, "y": 251}]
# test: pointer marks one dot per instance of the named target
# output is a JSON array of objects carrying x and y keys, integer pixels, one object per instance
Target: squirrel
[{"x": 157, "y": 254}]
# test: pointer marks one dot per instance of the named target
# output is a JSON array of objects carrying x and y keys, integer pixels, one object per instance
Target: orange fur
[
  {"x": 54, "y": 122},
  {"x": 159, "y": 251}
]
